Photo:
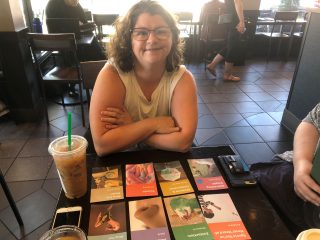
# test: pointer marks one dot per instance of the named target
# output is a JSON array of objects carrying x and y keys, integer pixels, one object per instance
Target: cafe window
[{"x": 287, "y": 4}]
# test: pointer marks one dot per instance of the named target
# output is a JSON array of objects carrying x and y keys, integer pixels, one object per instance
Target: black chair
[
  {"x": 10, "y": 199},
  {"x": 62, "y": 73},
  {"x": 104, "y": 20},
  {"x": 282, "y": 28},
  {"x": 213, "y": 36},
  {"x": 90, "y": 71}
]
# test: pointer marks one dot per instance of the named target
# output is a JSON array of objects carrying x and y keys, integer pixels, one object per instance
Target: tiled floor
[{"x": 246, "y": 114}]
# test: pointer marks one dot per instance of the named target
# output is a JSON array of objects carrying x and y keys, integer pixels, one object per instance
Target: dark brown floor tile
[
  {"x": 242, "y": 135},
  {"x": 269, "y": 106},
  {"x": 250, "y": 88},
  {"x": 263, "y": 96},
  {"x": 10, "y": 148},
  {"x": 19, "y": 190},
  {"x": 281, "y": 96},
  {"x": 247, "y": 107},
  {"x": 29, "y": 168},
  {"x": 17, "y": 131},
  {"x": 36, "y": 147},
  {"x": 217, "y": 140},
  {"x": 277, "y": 116},
  {"x": 5, "y": 163},
  {"x": 274, "y": 133},
  {"x": 62, "y": 122},
  {"x": 271, "y": 88},
  {"x": 52, "y": 174},
  {"x": 203, "y": 109},
  {"x": 261, "y": 119},
  {"x": 35, "y": 210},
  {"x": 53, "y": 187},
  {"x": 221, "y": 108},
  {"x": 36, "y": 234},
  {"x": 227, "y": 120},
  {"x": 280, "y": 147},
  {"x": 207, "y": 121},
  {"x": 46, "y": 131},
  {"x": 5, "y": 233},
  {"x": 202, "y": 135}
]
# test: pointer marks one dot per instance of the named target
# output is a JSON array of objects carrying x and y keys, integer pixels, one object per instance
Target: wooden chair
[
  {"x": 281, "y": 28},
  {"x": 213, "y": 36},
  {"x": 60, "y": 74},
  {"x": 10, "y": 199},
  {"x": 90, "y": 71}
]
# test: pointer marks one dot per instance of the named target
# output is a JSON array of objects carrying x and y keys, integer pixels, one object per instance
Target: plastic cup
[
  {"x": 71, "y": 164},
  {"x": 64, "y": 232},
  {"x": 310, "y": 234}
]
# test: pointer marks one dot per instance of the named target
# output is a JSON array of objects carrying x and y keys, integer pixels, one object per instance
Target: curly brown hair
[{"x": 120, "y": 49}]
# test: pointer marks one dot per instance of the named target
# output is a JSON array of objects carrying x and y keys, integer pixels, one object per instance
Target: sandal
[
  {"x": 231, "y": 78},
  {"x": 212, "y": 71}
]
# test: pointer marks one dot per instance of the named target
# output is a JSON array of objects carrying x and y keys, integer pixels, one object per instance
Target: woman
[
  {"x": 235, "y": 28},
  {"x": 143, "y": 94}
]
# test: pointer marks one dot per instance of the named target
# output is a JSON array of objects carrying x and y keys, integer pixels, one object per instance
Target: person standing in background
[{"x": 235, "y": 28}]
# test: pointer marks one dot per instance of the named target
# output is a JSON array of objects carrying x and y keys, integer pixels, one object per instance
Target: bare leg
[
  {"x": 227, "y": 76},
  {"x": 211, "y": 66}
]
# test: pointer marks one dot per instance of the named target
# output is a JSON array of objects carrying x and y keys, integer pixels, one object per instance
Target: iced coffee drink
[{"x": 71, "y": 164}]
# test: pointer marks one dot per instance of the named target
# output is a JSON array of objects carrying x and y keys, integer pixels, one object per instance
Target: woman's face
[{"x": 152, "y": 50}]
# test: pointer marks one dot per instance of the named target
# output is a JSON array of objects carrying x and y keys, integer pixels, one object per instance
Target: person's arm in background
[
  {"x": 117, "y": 132},
  {"x": 239, "y": 9},
  {"x": 184, "y": 111},
  {"x": 305, "y": 142}
]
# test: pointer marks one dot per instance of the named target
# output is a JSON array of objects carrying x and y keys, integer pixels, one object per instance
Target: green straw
[{"x": 69, "y": 130}]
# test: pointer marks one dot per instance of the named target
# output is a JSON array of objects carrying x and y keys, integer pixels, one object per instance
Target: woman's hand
[
  {"x": 166, "y": 125},
  {"x": 241, "y": 28},
  {"x": 305, "y": 187},
  {"x": 115, "y": 117}
]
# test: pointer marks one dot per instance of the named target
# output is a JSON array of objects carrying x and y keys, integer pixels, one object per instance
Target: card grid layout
[{"x": 175, "y": 212}]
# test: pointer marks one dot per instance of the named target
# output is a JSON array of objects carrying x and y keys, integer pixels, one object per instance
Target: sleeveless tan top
[{"x": 137, "y": 104}]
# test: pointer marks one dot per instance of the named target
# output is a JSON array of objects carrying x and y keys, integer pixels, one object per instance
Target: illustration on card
[
  {"x": 147, "y": 219},
  {"x": 206, "y": 174},
  {"x": 172, "y": 178},
  {"x": 106, "y": 184},
  {"x": 186, "y": 218},
  {"x": 107, "y": 221},
  {"x": 222, "y": 217},
  {"x": 140, "y": 180}
]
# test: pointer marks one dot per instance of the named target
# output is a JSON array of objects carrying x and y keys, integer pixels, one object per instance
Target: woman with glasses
[{"x": 143, "y": 95}]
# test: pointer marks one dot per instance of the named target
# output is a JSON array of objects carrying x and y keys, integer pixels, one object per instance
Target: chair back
[
  {"x": 90, "y": 71},
  {"x": 104, "y": 20},
  {"x": 52, "y": 42},
  {"x": 211, "y": 30},
  {"x": 286, "y": 16},
  {"x": 64, "y": 25}
]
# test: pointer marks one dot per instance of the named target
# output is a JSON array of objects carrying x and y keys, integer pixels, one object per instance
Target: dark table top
[{"x": 256, "y": 212}]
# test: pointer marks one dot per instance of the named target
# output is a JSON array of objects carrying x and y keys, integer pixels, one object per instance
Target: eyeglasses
[{"x": 142, "y": 34}]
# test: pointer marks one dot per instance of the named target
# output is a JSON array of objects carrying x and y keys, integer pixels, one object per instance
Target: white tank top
[{"x": 137, "y": 104}]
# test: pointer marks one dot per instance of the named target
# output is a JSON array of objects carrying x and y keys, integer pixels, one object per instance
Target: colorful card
[
  {"x": 186, "y": 219},
  {"x": 107, "y": 221},
  {"x": 147, "y": 220},
  {"x": 140, "y": 180},
  {"x": 172, "y": 178},
  {"x": 106, "y": 184},
  {"x": 222, "y": 217},
  {"x": 206, "y": 174}
]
